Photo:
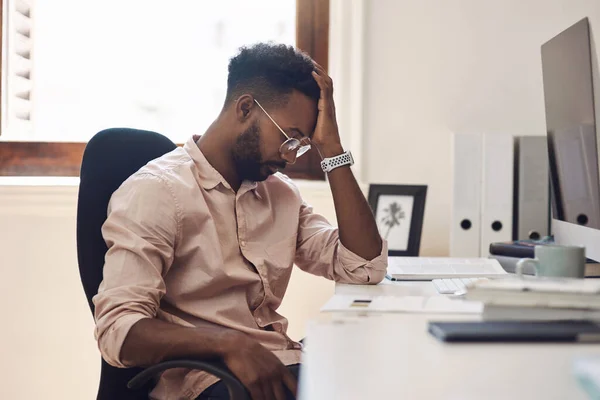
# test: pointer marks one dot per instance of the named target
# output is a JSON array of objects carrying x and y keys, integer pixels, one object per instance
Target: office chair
[{"x": 110, "y": 157}]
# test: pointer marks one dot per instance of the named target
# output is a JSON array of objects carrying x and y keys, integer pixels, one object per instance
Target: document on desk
[
  {"x": 429, "y": 268},
  {"x": 404, "y": 304}
]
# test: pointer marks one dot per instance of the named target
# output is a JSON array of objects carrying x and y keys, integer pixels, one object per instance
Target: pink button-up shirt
[{"x": 185, "y": 248}]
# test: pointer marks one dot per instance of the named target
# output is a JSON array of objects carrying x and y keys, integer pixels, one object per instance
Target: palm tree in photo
[{"x": 393, "y": 217}]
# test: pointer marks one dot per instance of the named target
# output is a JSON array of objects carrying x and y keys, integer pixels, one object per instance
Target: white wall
[
  {"x": 47, "y": 342},
  {"x": 436, "y": 66},
  {"x": 47, "y": 345}
]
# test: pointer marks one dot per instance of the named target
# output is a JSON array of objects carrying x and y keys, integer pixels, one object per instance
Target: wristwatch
[{"x": 331, "y": 163}]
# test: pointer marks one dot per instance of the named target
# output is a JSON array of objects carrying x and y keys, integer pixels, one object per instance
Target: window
[
  {"x": 74, "y": 68},
  {"x": 16, "y": 69}
]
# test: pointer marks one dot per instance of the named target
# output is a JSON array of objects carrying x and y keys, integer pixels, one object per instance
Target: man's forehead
[{"x": 300, "y": 111}]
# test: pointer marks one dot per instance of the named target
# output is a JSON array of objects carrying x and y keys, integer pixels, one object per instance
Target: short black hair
[{"x": 270, "y": 72}]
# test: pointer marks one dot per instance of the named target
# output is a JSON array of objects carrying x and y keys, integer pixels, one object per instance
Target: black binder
[{"x": 516, "y": 331}]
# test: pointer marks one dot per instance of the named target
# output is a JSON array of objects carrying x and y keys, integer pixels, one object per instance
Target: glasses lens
[
  {"x": 288, "y": 150},
  {"x": 302, "y": 150},
  {"x": 290, "y": 145},
  {"x": 304, "y": 146},
  {"x": 293, "y": 148}
]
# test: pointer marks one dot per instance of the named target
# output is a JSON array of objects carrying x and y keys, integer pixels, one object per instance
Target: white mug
[{"x": 555, "y": 261}]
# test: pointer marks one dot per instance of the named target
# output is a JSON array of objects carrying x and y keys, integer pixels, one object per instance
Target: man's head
[{"x": 279, "y": 77}]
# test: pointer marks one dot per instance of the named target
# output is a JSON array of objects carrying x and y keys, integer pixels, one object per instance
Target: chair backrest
[{"x": 110, "y": 157}]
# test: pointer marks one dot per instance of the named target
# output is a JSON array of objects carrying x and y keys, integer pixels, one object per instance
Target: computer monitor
[{"x": 573, "y": 141}]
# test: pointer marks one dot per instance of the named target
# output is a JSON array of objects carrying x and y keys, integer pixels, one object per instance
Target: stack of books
[
  {"x": 509, "y": 253},
  {"x": 537, "y": 299}
]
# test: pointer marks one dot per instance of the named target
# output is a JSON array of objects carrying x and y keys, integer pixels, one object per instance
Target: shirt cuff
[
  {"x": 111, "y": 341},
  {"x": 351, "y": 261}
]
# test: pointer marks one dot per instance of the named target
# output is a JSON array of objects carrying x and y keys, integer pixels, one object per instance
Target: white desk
[{"x": 391, "y": 356}]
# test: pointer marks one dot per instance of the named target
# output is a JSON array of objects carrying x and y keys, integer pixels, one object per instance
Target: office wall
[
  {"x": 47, "y": 345},
  {"x": 435, "y": 67},
  {"x": 47, "y": 342}
]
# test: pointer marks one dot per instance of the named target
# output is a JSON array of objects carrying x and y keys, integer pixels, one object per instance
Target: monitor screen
[{"x": 571, "y": 126}]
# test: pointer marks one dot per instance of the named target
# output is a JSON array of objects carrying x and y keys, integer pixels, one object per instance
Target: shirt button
[{"x": 242, "y": 243}]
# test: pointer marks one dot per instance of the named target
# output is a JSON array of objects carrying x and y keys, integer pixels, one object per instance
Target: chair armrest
[{"x": 237, "y": 391}]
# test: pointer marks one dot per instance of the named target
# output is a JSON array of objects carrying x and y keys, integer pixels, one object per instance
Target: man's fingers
[
  {"x": 320, "y": 80},
  {"x": 267, "y": 388},
  {"x": 326, "y": 97},
  {"x": 318, "y": 66},
  {"x": 321, "y": 71},
  {"x": 278, "y": 391},
  {"x": 324, "y": 92},
  {"x": 256, "y": 392},
  {"x": 326, "y": 88},
  {"x": 290, "y": 381}
]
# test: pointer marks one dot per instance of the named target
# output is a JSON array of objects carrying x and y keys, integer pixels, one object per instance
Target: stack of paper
[
  {"x": 532, "y": 298},
  {"x": 405, "y": 304}
]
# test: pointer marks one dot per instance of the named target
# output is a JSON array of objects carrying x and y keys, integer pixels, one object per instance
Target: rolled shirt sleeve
[
  {"x": 140, "y": 232},
  {"x": 319, "y": 251}
]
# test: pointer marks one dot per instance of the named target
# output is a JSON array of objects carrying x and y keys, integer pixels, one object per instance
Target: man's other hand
[{"x": 257, "y": 368}]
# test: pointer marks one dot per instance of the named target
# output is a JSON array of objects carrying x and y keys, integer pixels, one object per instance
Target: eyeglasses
[{"x": 292, "y": 148}]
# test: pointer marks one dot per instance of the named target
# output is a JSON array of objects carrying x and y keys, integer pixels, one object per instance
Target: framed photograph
[{"x": 399, "y": 210}]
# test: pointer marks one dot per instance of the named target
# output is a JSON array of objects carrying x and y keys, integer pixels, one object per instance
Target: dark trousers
[{"x": 218, "y": 391}]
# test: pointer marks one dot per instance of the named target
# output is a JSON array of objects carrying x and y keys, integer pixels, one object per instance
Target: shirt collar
[
  {"x": 209, "y": 176},
  {"x": 248, "y": 186}
]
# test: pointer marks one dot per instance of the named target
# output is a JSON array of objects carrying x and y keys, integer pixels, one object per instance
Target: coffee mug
[{"x": 555, "y": 261}]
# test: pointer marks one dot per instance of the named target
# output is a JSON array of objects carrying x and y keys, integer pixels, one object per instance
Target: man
[{"x": 201, "y": 241}]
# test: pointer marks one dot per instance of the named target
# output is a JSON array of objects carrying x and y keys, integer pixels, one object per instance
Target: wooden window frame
[{"x": 20, "y": 158}]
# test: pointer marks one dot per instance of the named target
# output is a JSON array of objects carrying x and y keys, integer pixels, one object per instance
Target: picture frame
[{"x": 399, "y": 212}]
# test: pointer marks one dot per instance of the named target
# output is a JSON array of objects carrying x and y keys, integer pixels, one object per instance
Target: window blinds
[{"x": 16, "y": 66}]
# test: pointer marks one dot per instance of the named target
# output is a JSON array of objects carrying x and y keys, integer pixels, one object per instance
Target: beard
[{"x": 247, "y": 156}]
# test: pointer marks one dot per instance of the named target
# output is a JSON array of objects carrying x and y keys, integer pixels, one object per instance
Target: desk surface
[{"x": 391, "y": 356}]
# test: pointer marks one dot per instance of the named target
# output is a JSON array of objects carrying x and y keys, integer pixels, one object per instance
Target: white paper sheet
[{"x": 404, "y": 304}]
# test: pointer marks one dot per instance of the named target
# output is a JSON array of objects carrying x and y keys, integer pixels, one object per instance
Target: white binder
[
  {"x": 466, "y": 199},
  {"x": 497, "y": 190},
  {"x": 532, "y": 202}
]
